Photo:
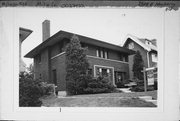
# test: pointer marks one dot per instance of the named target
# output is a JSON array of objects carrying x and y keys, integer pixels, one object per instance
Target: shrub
[
  {"x": 29, "y": 91},
  {"x": 141, "y": 88},
  {"x": 47, "y": 88},
  {"x": 99, "y": 85}
]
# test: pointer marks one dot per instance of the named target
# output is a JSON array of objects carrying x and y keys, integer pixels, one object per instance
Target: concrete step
[
  {"x": 125, "y": 90},
  {"x": 153, "y": 101},
  {"x": 61, "y": 94},
  {"x": 146, "y": 97}
]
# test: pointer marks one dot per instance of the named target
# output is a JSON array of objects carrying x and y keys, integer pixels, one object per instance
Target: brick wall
[
  {"x": 58, "y": 63},
  {"x": 48, "y": 64},
  {"x": 143, "y": 53},
  {"x": 114, "y": 55},
  {"x": 42, "y": 68},
  {"x": 118, "y": 66}
]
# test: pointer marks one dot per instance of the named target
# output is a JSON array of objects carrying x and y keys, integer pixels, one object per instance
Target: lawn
[{"x": 100, "y": 100}]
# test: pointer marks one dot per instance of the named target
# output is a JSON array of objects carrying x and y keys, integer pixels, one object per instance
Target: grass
[{"x": 100, "y": 100}]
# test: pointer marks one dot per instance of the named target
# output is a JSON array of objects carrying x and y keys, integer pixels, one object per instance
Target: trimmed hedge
[
  {"x": 99, "y": 85},
  {"x": 141, "y": 88}
]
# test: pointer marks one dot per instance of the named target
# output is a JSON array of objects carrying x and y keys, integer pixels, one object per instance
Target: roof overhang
[
  {"x": 24, "y": 33},
  {"x": 59, "y": 36}
]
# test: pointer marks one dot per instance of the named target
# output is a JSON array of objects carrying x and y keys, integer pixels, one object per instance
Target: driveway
[{"x": 100, "y": 100}]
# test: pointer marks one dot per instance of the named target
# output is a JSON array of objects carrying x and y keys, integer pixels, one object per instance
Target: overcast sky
[{"x": 106, "y": 24}]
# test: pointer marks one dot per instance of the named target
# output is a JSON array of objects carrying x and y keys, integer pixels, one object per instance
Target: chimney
[{"x": 45, "y": 30}]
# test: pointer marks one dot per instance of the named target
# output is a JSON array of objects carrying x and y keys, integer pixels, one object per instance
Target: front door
[{"x": 119, "y": 78}]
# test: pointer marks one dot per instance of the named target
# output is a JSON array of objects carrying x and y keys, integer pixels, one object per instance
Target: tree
[
  {"x": 31, "y": 70},
  {"x": 76, "y": 66},
  {"x": 138, "y": 66}
]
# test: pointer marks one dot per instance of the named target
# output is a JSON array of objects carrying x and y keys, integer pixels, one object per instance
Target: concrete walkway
[{"x": 148, "y": 99}]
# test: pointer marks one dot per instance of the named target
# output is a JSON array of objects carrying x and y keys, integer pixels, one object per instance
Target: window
[
  {"x": 131, "y": 45},
  {"x": 60, "y": 47},
  {"x": 103, "y": 71},
  {"x": 106, "y": 54},
  {"x": 148, "y": 42},
  {"x": 39, "y": 58},
  {"x": 121, "y": 57},
  {"x": 102, "y": 53},
  {"x": 154, "y": 58},
  {"x": 90, "y": 71},
  {"x": 97, "y": 53}
]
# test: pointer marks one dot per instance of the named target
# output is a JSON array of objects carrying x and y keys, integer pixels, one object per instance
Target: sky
[{"x": 105, "y": 24}]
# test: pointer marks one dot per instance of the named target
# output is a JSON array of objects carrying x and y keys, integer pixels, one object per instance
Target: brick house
[
  {"x": 104, "y": 58},
  {"x": 147, "y": 49}
]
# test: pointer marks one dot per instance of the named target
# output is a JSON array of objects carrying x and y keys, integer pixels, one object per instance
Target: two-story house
[
  {"x": 104, "y": 58},
  {"x": 147, "y": 49}
]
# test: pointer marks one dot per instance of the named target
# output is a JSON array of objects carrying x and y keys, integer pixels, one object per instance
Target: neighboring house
[
  {"x": 104, "y": 58},
  {"x": 23, "y": 34},
  {"x": 147, "y": 48}
]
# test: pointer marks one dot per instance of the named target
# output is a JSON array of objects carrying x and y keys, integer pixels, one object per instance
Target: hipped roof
[{"x": 59, "y": 36}]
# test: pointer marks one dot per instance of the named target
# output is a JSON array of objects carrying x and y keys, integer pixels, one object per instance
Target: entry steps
[{"x": 125, "y": 90}]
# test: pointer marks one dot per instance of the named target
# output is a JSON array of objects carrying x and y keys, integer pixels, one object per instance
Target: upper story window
[
  {"x": 123, "y": 57},
  {"x": 148, "y": 42},
  {"x": 61, "y": 49},
  {"x": 131, "y": 45},
  {"x": 38, "y": 58},
  {"x": 154, "y": 58},
  {"x": 102, "y": 53}
]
